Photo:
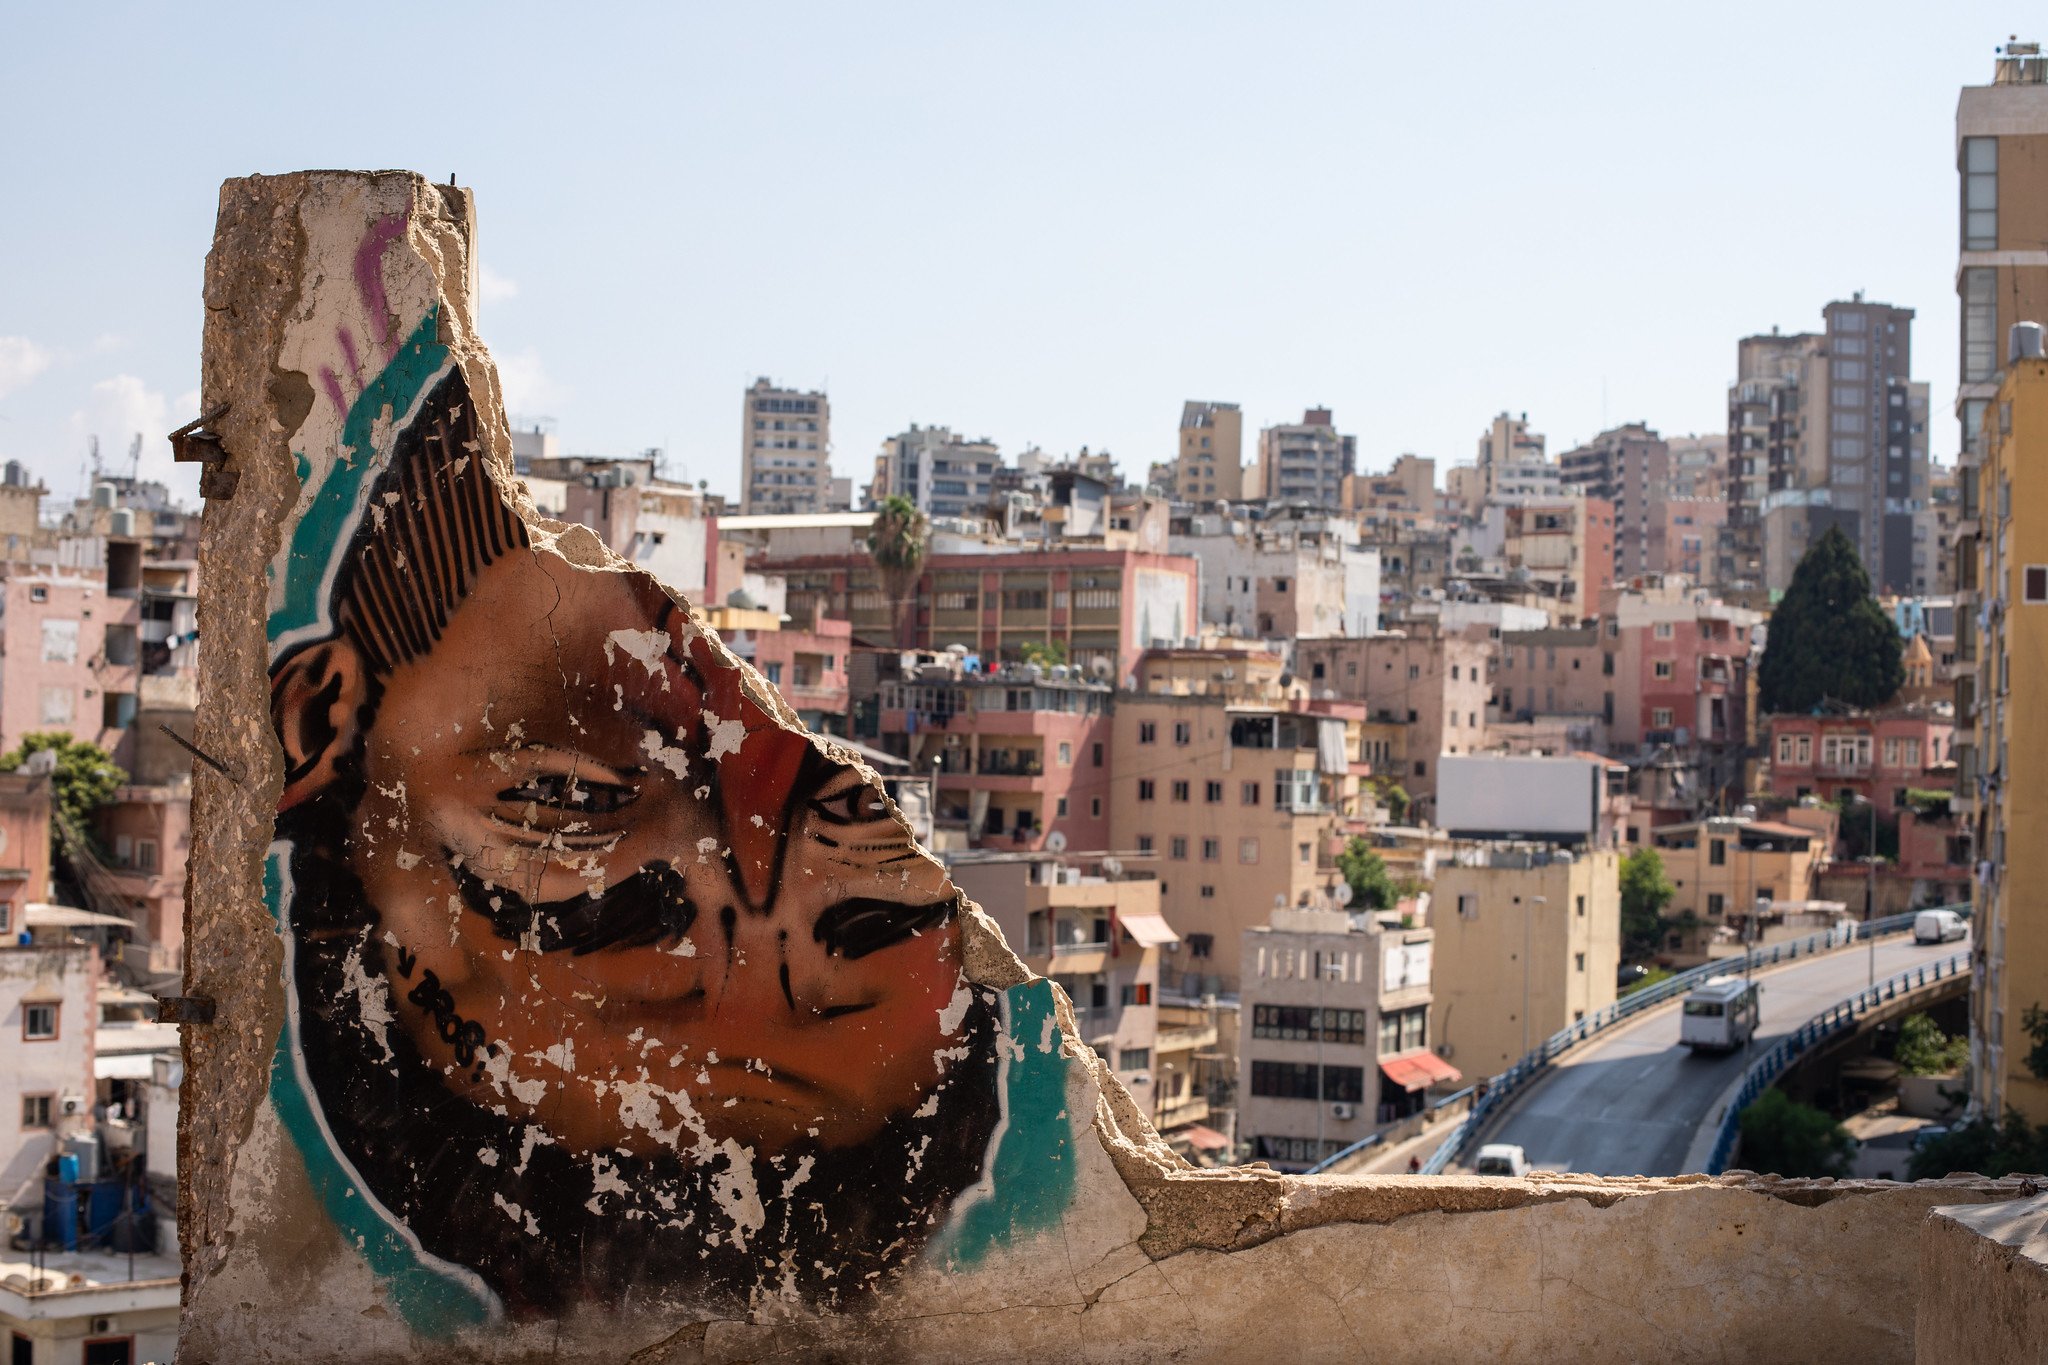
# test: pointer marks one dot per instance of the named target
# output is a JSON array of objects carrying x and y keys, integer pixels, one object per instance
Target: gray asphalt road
[{"x": 1631, "y": 1104}]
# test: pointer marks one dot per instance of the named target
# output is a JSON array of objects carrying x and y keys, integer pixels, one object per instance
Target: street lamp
[{"x": 1870, "y": 887}]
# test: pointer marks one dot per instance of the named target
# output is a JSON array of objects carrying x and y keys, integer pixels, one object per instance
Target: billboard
[{"x": 1497, "y": 796}]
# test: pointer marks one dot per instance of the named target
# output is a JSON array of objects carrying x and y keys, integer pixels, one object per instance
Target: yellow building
[
  {"x": 1210, "y": 464},
  {"x": 2002, "y": 694},
  {"x": 1721, "y": 867},
  {"x": 1527, "y": 941}
]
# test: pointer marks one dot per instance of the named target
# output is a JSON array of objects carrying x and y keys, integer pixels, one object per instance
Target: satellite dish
[
  {"x": 1056, "y": 841},
  {"x": 1113, "y": 865},
  {"x": 1343, "y": 893}
]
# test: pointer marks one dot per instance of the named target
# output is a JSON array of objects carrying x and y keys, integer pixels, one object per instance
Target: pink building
[
  {"x": 1876, "y": 756},
  {"x": 1018, "y": 755},
  {"x": 1682, "y": 534},
  {"x": 69, "y": 656},
  {"x": 1681, "y": 666},
  {"x": 806, "y": 663}
]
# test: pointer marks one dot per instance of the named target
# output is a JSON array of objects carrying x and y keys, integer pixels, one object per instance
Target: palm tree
[{"x": 897, "y": 544}]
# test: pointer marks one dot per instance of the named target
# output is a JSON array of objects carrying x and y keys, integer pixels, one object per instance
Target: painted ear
[{"x": 315, "y": 700}]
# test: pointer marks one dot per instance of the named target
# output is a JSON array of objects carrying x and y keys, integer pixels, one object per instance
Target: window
[
  {"x": 1181, "y": 789},
  {"x": 1148, "y": 732},
  {"x": 1663, "y": 668},
  {"x": 1146, "y": 789},
  {"x": 1404, "y": 1030},
  {"x": 1303, "y": 852},
  {"x": 1980, "y": 324},
  {"x": 1660, "y": 718},
  {"x": 1717, "y": 853},
  {"x": 1208, "y": 893},
  {"x": 1421, "y": 768},
  {"x": 1138, "y": 993},
  {"x": 1716, "y": 902},
  {"x": 1133, "y": 1058},
  {"x": 2034, "y": 584},
  {"x": 1183, "y": 733},
  {"x": 35, "y": 1110},
  {"x": 1299, "y": 1081},
  {"x": 109, "y": 1351},
  {"x": 1177, "y": 847},
  {"x": 1201, "y": 945},
  {"x": 1980, "y": 194},
  {"x": 1212, "y": 850},
  {"x": 1414, "y": 672},
  {"x": 1582, "y": 907},
  {"x": 1212, "y": 792},
  {"x": 1248, "y": 851},
  {"x": 1901, "y": 753},
  {"x": 1060, "y": 808},
  {"x": 774, "y": 673},
  {"x": 1302, "y": 1024},
  {"x": 6, "y": 918},
  {"x": 1454, "y": 672},
  {"x": 1144, "y": 843},
  {"x": 1663, "y": 630},
  {"x": 1095, "y": 758},
  {"x": 38, "y": 1021},
  {"x": 1578, "y": 962},
  {"x": 1066, "y": 754}
]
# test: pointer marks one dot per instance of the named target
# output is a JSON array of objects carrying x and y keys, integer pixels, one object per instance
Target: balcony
[{"x": 1839, "y": 768}]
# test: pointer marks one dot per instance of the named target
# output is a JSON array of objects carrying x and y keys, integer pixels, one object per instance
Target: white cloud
[
  {"x": 529, "y": 392},
  {"x": 20, "y": 361},
  {"x": 123, "y": 406},
  {"x": 493, "y": 287}
]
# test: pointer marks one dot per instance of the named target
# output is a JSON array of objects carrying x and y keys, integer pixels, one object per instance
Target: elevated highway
[{"x": 1634, "y": 1101}]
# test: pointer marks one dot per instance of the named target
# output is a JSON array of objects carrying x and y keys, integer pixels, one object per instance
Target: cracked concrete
[{"x": 292, "y": 1254}]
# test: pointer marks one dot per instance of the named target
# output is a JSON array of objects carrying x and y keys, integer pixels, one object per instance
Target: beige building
[
  {"x": 1210, "y": 463},
  {"x": 2002, "y": 271},
  {"x": 1306, "y": 462},
  {"x": 1334, "y": 1032},
  {"x": 1722, "y": 867},
  {"x": 2002, "y": 719},
  {"x": 785, "y": 450},
  {"x": 1099, "y": 940},
  {"x": 1527, "y": 942},
  {"x": 1235, "y": 806},
  {"x": 1433, "y": 684}
]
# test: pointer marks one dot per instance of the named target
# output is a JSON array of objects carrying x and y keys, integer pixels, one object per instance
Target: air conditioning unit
[
  {"x": 1341, "y": 1110},
  {"x": 102, "y": 1327},
  {"x": 73, "y": 1105}
]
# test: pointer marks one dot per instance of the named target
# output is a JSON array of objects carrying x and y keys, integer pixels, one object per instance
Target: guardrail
[
  {"x": 1371, "y": 1140},
  {"x": 1501, "y": 1089},
  {"x": 1763, "y": 1073}
]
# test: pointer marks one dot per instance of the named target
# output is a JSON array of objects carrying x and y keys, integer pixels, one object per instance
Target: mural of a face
[{"x": 608, "y": 986}]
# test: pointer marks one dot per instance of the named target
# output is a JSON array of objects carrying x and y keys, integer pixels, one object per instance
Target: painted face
[{"x": 622, "y": 901}]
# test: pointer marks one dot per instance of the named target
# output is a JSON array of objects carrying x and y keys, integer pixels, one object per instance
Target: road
[{"x": 1633, "y": 1101}]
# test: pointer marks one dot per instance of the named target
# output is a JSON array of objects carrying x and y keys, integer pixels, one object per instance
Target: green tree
[
  {"x": 1924, "y": 1050},
  {"x": 1856, "y": 831},
  {"x": 1372, "y": 886},
  {"x": 897, "y": 543},
  {"x": 1044, "y": 653},
  {"x": 1645, "y": 891},
  {"x": 1781, "y": 1136},
  {"x": 2035, "y": 1022},
  {"x": 1394, "y": 797},
  {"x": 84, "y": 779},
  {"x": 1829, "y": 639}
]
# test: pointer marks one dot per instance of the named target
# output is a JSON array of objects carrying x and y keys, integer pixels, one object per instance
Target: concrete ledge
[{"x": 1983, "y": 1291}]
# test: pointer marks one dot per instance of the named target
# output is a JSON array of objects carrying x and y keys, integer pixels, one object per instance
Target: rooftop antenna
[{"x": 135, "y": 458}]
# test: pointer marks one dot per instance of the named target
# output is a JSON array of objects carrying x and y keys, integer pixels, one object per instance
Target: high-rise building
[
  {"x": 1629, "y": 466},
  {"x": 1829, "y": 429},
  {"x": 785, "y": 450},
  {"x": 1306, "y": 462},
  {"x": 2002, "y": 273},
  {"x": 944, "y": 474},
  {"x": 1512, "y": 463},
  {"x": 2002, "y": 711},
  {"x": 1211, "y": 459}
]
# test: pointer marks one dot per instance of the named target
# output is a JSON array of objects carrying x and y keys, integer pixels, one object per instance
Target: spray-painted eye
[
  {"x": 567, "y": 792},
  {"x": 853, "y": 803}
]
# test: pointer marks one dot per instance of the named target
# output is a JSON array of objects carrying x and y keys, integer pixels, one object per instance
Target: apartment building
[
  {"x": 49, "y": 1009},
  {"x": 2002, "y": 698},
  {"x": 785, "y": 450},
  {"x": 1698, "y": 465},
  {"x": 1564, "y": 546},
  {"x": 1875, "y": 756},
  {"x": 1236, "y": 807},
  {"x": 1414, "y": 562},
  {"x": 1431, "y": 683},
  {"x": 1210, "y": 462},
  {"x": 1512, "y": 464},
  {"x": 1307, "y": 462},
  {"x": 2002, "y": 258},
  {"x": 1527, "y": 941},
  {"x": 1681, "y": 671},
  {"x": 1102, "y": 607},
  {"x": 943, "y": 474},
  {"x": 1684, "y": 536},
  {"x": 1407, "y": 490},
  {"x": 806, "y": 663},
  {"x": 1289, "y": 578},
  {"x": 1099, "y": 940},
  {"x": 1334, "y": 1032},
  {"x": 1559, "y": 671},
  {"x": 70, "y": 654},
  {"x": 1019, "y": 756},
  {"x": 1722, "y": 867},
  {"x": 1768, "y": 460},
  {"x": 1628, "y": 467}
]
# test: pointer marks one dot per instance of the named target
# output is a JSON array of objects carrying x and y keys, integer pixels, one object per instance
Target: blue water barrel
[
  {"x": 103, "y": 1209},
  {"x": 60, "y": 1214},
  {"x": 67, "y": 1168}
]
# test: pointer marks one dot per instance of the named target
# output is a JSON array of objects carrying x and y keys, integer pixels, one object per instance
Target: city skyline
[{"x": 986, "y": 218}]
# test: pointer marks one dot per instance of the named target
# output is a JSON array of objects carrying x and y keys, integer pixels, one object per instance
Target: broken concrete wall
[{"x": 572, "y": 1001}]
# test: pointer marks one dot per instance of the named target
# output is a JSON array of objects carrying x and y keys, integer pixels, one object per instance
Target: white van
[
  {"x": 1938, "y": 926},
  {"x": 1720, "y": 1015},
  {"x": 1501, "y": 1158}
]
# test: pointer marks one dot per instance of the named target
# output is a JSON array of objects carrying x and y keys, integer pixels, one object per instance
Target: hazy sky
[{"x": 1042, "y": 223}]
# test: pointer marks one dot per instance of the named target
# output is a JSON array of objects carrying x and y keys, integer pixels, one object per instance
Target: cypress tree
[{"x": 1829, "y": 639}]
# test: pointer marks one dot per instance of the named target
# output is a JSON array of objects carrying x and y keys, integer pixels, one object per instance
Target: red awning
[
  {"x": 1420, "y": 1070},
  {"x": 1202, "y": 1138}
]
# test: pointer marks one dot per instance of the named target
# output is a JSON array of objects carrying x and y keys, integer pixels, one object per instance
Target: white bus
[{"x": 1720, "y": 1015}]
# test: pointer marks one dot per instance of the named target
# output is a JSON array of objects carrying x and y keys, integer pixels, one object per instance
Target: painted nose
[{"x": 758, "y": 764}]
